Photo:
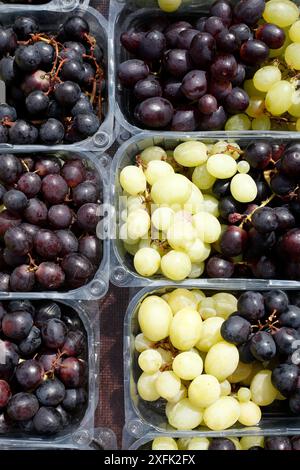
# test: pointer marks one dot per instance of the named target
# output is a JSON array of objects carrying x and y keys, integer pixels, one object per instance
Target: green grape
[
  {"x": 181, "y": 298},
  {"x": 168, "y": 385},
  {"x": 262, "y": 391},
  {"x": 198, "y": 443},
  {"x": 225, "y": 388},
  {"x": 176, "y": 265},
  {"x": 150, "y": 361},
  {"x": 185, "y": 329},
  {"x": 251, "y": 441},
  {"x": 294, "y": 32},
  {"x": 146, "y": 261},
  {"x": 243, "y": 167},
  {"x": 221, "y": 360},
  {"x": 173, "y": 189},
  {"x": 155, "y": 318},
  {"x": 153, "y": 153},
  {"x": 169, "y": 5},
  {"x": 243, "y": 188},
  {"x": 251, "y": 90},
  {"x": 265, "y": 77},
  {"x": 221, "y": 166},
  {"x": 238, "y": 122},
  {"x": 138, "y": 224},
  {"x": 243, "y": 394},
  {"x": 281, "y": 13},
  {"x": 211, "y": 333},
  {"x": 187, "y": 365},
  {"x": 133, "y": 180},
  {"x": 279, "y": 97},
  {"x": 207, "y": 226},
  {"x": 242, "y": 372},
  {"x": 292, "y": 55},
  {"x": 204, "y": 391},
  {"x": 183, "y": 415},
  {"x": 294, "y": 109},
  {"x": 191, "y": 153},
  {"x": 202, "y": 178},
  {"x": 197, "y": 270},
  {"x": 256, "y": 106},
  {"x": 226, "y": 304},
  {"x": 146, "y": 386},
  {"x": 195, "y": 201},
  {"x": 222, "y": 414},
  {"x": 157, "y": 169},
  {"x": 250, "y": 413},
  {"x": 261, "y": 123},
  {"x": 164, "y": 443},
  {"x": 210, "y": 204},
  {"x": 162, "y": 218},
  {"x": 207, "y": 308},
  {"x": 197, "y": 251}
]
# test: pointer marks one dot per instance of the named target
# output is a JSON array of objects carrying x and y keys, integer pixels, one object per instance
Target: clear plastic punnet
[
  {"x": 125, "y": 15},
  {"x": 142, "y": 417},
  {"x": 122, "y": 271},
  {"x": 50, "y": 17},
  {"x": 80, "y": 433},
  {"x": 66, "y": 5},
  {"x": 98, "y": 286}
]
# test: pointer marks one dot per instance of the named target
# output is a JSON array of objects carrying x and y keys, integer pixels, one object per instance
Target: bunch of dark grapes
[
  {"x": 262, "y": 238},
  {"x": 188, "y": 76},
  {"x": 43, "y": 370},
  {"x": 50, "y": 211},
  {"x": 266, "y": 328},
  {"x": 53, "y": 83}
]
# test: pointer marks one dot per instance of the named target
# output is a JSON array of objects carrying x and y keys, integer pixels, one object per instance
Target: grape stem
[{"x": 263, "y": 204}]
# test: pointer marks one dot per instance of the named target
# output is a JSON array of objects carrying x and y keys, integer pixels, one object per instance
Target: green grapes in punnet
[
  {"x": 218, "y": 361},
  {"x": 218, "y": 210}
]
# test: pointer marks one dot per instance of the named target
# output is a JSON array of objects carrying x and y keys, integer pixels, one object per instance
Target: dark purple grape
[
  {"x": 281, "y": 184},
  {"x": 76, "y": 28},
  {"x": 38, "y": 80},
  {"x": 22, "y": 279},
  {"x": 214, "y": 25},
  {"x": 10, "y": 168},
  {"x": 287, "y": 340},
  {"x": 22, "y": 406},
  {"x": 47, "y": 166},
  {"x": 155, "y": 113},
  {"x": 50, "y": 275},
  {"x": 152, "y": 45},
  {"x": 271, "y": 35},
  {"x": 13, "y": 260},
  {"x": 149, "y": 87},
  {"x": 73, "y": 171},
  {"x": 28, "y": 58},
  {"x": 68, "y": 241},
  {"x": 64, "y": 416},
  {"x": 31, "y": 343},
  {"x": 29, "y": 374},
  {"x": 236, "y": 101},
  {"x": 5, "y": 393},
  {"x": 177, "y": 62},
  {"x": 214, "y": 121},
  {"x": 54, "y": 333},
  {"x": 172, "y": 90},
  {"x": 10, "y": 358},
  {"x": 47, "y": 421},
  {"x": 24, "y": 26},
  {"x": 185, "y": 38},
  {"x": 74, "y": 398},
  {"x": 25, "y": 305},
  {"x": 46, "y": 312},
  {"x": 278, "y": 443},
  {"x": 219, "y": 268},
  {"x": 8, "y": 41},
  {"x": 90, "y": 247},
  {"x": 88, "y": 216},
  {"x": 262, "y": 346},
  {"x": 254, "y": 52},
  {"x": 86, "y": 125},
  {"x": 202, "y": 50},
  {"x": 194, "y": 84},
  {"x": 251, "y": 306},
  {"x": 52, "y": 132},
  {"x": 290, "y": 317},
  {"x": 264, "y": 268},
  {"x": 236, "y": 330},
  {"x": 47, "y": 244},
  {"x": 83, "y": 106},
  {"x": 227, "y": 206},
  {"x": 37, "y": 102},
  {"x": 131, "y": 71},
  {"x": 240, "y": 76},
  {"x": 200, "y": 23},
  {"x": 36, "y": 212},
  {"x": 60, "y": 216},
  {"x": 72, "y": 372},
  {"x": 172, "y": 32},
  {"x": 30, "y": 184},
  {"x": 3, "y": 134},
  {"x": 289, "y": 163},
  {"x": 22, "y": 133},
  {"x": 8, "y": 72},
  {"x": 67, "y": 93},
  {"x": 285, "y": 218},
  {"x": 258, "y": 154},
  {"x": 84, "y": 193},
  {"x": 264, "y": 220},
  {"x": 74, "y": 343},
  {"x": 223, "y": 10},
  {"x": 289, "y": 244},
  {"x": 72, "y": 70},
  {"x": 224, "y": 67},
  {"x": 245, "y": 353},
  {"x": 249, "y": 11},
  {"x": 219, "y": 89},
  {"x": 4, "y": 285},
  {"x": 221, "y": 443},
  {"x": 221, "y": 188},
  {"x": 47, "y": 54},
  {"x": 285, "y": 378},
  {"x": 17, "y": 325},
  {"x": 78, "y": 269},
  {"x": 233, "y": 241},
  {"x": 7, "y": 112},
  {"x": 207, "y": 104},
  {"x": 51, "y": 392},
  {"x": 15, "y": 201},
  {"x": 185, "y": 119},
  {"x": 131, "y": 40},
  {"x": 54, "y": 189},
  {"x": 18, "y": 241},
  {"x": 227, "y": 41}
]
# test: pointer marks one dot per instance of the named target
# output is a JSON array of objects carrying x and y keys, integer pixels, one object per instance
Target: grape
[
  {"x": 10, "y": 358},
  {"x": 85, "y": 192},
  {"x": 290, "y": 317},
  {"x": 222, "y": 414},
  {"x": 271, "y": 35},
  {"x": 219, "y": 268},
  {"x": 191, "y": 153},
  {"x": 146, "y": 261},
  {"x": 289, "y": 243},
  {"x": 10, "y": 168},
  {"x": 38, "y": 80},
  {"x": 21, "y": 133},
  {"x": 47, "y": 420},
  {"x": 204, "y": 390},
  {"x": 202, "y": 178},
  {"x": 249, "y": 11},
  {"x": 152, "y": 45},
  {"x": 221, "y": 166},
  {"x": 279, "y": 97},
  {"x": 54, "y": 333},
  {"x": 286, "y": 340},
  {"x": 29, "y": 374},
  {"x": 131, "y": 40},
  {"x": 22, "y": 406},
  {"x": 264, "y": 220},
  {"x": 227, "y": 41},
  {"x": 187, "y": 365},
  {"x": 47, "y": 244},
  {"x": 185, "y": 38},
  {"x": 51, "y": 392},
  {"x": 46, "y": 52},
  {"x": 77, "y": 268},
  {"x": 236, "y": 330},
  {"x": 73, "y": 399},
  {"x": 281, "y": 14},
  {"x": 157, "y": 169},
  {"x": 258, "y": 154},
  {"x": 248, "y": 442},
  {"x": 31, "y": 343},
  {"x": 214, "y": 121},
  {"x": 276, "y": 300},
  {"x": 22, "y": 279},
  {"x": 181, "y": 298},
  {"x": 5, "y": 393},
  {"x": 185, "y": 119},
  {"x": 240, "y": 75},
  {"x": 24, "y": 26},
  {"x": 146, "y": 386},
  {"x": 54, "y": 189},
  {"x": 148, "y": 87},
  {"x": 261, "y": 123},
  {"x": 250, "y": 414},
  {"x": 28, "y": 58},
  {"x": 194, "y": 84},
  {"x": 17, "y": 325},
  {"x": 244, "y": 395},
  {"x": 183, "y": 415},
  {"x": 162, "y": 191},
  {"x": 222, "y": 9},
  {"x": 90, "y": 247},
  {"x": 72, "y": 372},
  {"x": 289, "y": 163},
  {"x": 243, "y": 188},
  {"x": 131, "y": 71},
  {"x": 207, "y": 104},
  {"x": 154, "y": 112},
  {"x": 88, "y": 216},
  {"x": 167, "y": 385},
  {"x": 224, "y": 67},
  {"x": 285, "y": 378},
  {"x": 285, "y": 218},
  {"x": 30, "y": 184},
  {"x": 262, "y": 391},
  {"x": 251, "y": 306},
  {"x": 47, "y": 166},
  {"x": 172, "y": 31},
  {"x": 67, "y": 93},
  {"x": 150, "y": 361},
  {"x": 213, "y": 25},
  {"x": 37, "y": 102},
  {"x": 220, "y": 89},
  {"x": 241, "y": 31},
  {"x": 185, "y": 329},
  {"x": 76, "y": 28},
  {"x": 281, "y": 184},
  {"x": 221, "y": 360},
  {"x": 164, "y": 443},
  {"x": 36, "y": 212},
  {"x": 172, "y": 90},
  {"x": 177, "y": 62},
  {"x": 211, "y": 333},
  {"x": 239, "y": 122},
  {"x": 155, "y": 318},
  {"x": 52, "y": 132},
  {"x": 254, "y": 52},
  {"x": 83, "y": 106},
  {"x": 202, "y": 49},
  {"x": 219, "y": 443},
  {"x": 236, "y": 101},
  {"x": 262, "y": 346}
]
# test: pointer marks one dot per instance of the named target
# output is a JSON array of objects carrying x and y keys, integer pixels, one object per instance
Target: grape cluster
[
  {"x": 265, "y": 327},
  {"x": 53, "y": 83},
  {"x": 43, "y": 370},
  {"x": 47, "y": 223},
  {"x": 230, "y": 443},
  {"x": 189, "y": 76}
]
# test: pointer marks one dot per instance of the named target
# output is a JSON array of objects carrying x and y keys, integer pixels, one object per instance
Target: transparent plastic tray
[
  {"x": 125, "y": 15},
  {"x": 123, "y": 273},
  {"x": 65, "y": 5},
  {"x": 141, "y": 417},
  {"x": 81, "y": 433},
  {"x": 98, "y": 286},
  {"x": 50, "y": 17}
]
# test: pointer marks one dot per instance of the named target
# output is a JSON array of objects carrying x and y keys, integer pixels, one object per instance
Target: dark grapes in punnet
[
  {"x": 54, "y": 82},
  {"x": 43, "y": 371},
  {"x": 48, "y": 223},
  {"x": 172, "y": 63}
]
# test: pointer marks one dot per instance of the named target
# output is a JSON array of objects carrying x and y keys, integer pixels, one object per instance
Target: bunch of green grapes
[
  {"x": 170, "y": 218},
  {"x": 185, "y": 361}
]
